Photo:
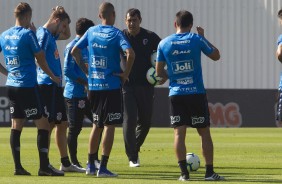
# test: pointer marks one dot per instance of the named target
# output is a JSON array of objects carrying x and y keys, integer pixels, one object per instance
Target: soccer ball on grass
[{"x": 193, "y": 161}]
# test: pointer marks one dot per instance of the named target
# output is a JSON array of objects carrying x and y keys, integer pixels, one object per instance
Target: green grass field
[{"x": 242, "y": 155}]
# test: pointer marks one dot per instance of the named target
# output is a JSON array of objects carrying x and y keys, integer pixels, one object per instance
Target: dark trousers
[{"x": 138, "y": 109}]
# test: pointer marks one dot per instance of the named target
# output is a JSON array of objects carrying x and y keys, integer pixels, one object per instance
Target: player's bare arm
[
  {"x": 130, "y": 56},
  {"x": 76, "y": 54},
  {"x": 160, "y": 72},
  {"x": 279, "y": 52},
  {"x": 40, "y": 58}
]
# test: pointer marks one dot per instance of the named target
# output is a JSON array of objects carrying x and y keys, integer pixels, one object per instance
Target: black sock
[
  {"x": 104, "y": 161},
  {"x": 183, "y": 167},
  {"x": 209, "y": 170},
  {"x": 91, "y": 158},
  {"x": 42, "y": 145},
  {"x": 65, "y": 161},
  {"x": 16, "y": 146}
]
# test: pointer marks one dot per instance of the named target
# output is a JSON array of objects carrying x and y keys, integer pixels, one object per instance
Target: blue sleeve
[
  {"x": 205, "y": 46},
  {"x": 69, "y": 64},
  {"x": 83, "y": 41},
  {"x": 279, "y": 41},
  {"x": 124, "y": 44},
  {"x": 43, "y": 40},
  {"x": 32, "y": 41},
  {"x": 160, "y": 54}
]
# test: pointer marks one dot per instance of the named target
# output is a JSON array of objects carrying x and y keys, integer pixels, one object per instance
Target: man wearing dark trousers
[{"x": 138, "y": 94}]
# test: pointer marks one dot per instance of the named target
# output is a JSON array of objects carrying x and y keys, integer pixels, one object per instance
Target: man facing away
[
  {"x": 104, "y": 80},
  {"x": 181, "y": 52}
]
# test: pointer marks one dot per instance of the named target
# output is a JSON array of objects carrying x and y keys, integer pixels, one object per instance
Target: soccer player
[
  {"x": 56, "y": 28},
  {"x": 138, "y": 93},
  {"x": 104, "y": 81},
  {"x": 75, "y": 91},
  {"x": 181, "y": 52},
  {"x": 20, "y": 46},
  {"x": 279, "y": 57}
]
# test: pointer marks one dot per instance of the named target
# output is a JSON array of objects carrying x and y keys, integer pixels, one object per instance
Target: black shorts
[
  {"x": 53, "y": 98},
  {"x": 106, "y": 107},
  {"x": 279, "y": 106},
  {"x": 25, "y": 103},
  {"x": 190, "y": 110},
  {"x": 77, "y": 110}
]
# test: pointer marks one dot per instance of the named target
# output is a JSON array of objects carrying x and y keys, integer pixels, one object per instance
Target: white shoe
[
  {"x": 134, "y": 163},
  {"x": 72, "y": 168}
]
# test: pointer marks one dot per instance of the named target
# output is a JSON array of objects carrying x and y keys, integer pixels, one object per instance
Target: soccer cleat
[
  {"x": 97, "y": 164},
  {"x": 21, "y": 171},
  {"x": 50, "y": 171},
  {"x": 184, "y": 178},
  {"x": 134, "y": 163},
  {"x": 105, "y": 173},
  {"x": 214, "y": 177},
  {"x": 90, "y": 169},
  {"x": 72, "y": 168}
]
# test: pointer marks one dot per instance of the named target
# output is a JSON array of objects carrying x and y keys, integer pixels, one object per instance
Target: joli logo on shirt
[
  {"x": 12, "y": 60},
  {"x": 182, "y": 66}
]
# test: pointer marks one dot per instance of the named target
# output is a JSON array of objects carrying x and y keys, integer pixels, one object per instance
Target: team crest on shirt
[
  {"x": 145, "y": 41},
  {"x": 56, "y": 54},
  {"x": 81, "y": 104},
  {"x": 59, "y": 116}
]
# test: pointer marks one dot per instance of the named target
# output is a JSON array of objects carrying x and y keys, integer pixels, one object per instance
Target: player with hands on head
[
  {"x": 181, "y": 52},
  {"x": 56, "y": 28}
]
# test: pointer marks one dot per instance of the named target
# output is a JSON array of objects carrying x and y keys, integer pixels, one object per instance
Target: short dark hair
[
  {"x": 106, "y": 9},
  {"x": 184, "y": 18},
  {"x": 22, "y": 9},
  {"x": 132, "y": 12},
  {"x": 82, "y": 25},
  {"x": 60, "y": 13},
  {"x": 280, "y": 14}
]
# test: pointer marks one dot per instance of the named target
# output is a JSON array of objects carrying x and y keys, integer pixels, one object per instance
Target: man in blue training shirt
[
  {"x": 181, "y": 52},
  {"x": 105, "y": 78},
  {"x": 20, "y": 46},
  {"x": 279, "y": 57},
  {"x": 56, "y": 28},
  {"x": 75, "y": 92}
]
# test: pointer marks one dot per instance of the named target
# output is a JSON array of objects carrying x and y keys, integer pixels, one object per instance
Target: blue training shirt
[
  {"x": 19, "y": 46},
  {"x": 182, "y": 54},
  {"x": 72, "y": 72},
  {"x": 105, "y": 43},
  {"x": 48, "y": 44}
]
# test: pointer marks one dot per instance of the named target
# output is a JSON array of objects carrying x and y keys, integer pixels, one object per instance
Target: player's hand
[
  {"x": 123, "y": 77},
  {"x": 58, "y": 8},
  {"x": 56, "y": 79},
  {"x": 32, "y": 27},
  {"x": 200, "y": 31},
  {"x": 162, "y": 80}
]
